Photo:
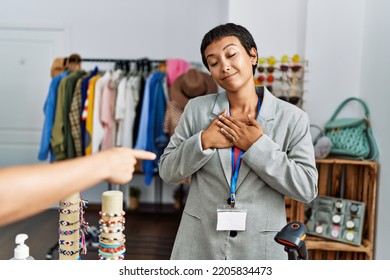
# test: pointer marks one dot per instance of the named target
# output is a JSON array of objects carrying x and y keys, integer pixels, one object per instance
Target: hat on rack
[
  {"x": 176, "y": 67},
  {"x": 191, "y": 84},
  {"x": 57, "y": 67},
  {"x": 60, "y": 64},
  {"x": 74, "y": 62}
]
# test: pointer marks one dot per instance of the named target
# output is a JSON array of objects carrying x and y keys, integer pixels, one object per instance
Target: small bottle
[{"x": 22, "y": 251}]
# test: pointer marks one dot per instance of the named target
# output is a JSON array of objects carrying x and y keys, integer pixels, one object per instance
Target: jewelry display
[
  {"x": 112, "y": 224},
  {"x": 336, "y": 218}
]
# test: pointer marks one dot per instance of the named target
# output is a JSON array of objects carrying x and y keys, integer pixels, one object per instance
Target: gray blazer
[{"x": 281, "y": 163}]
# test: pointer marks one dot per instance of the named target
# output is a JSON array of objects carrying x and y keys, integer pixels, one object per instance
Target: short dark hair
[{"x": 224, "y": 30}]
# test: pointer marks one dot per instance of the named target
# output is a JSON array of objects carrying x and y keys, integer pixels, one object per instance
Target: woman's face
[{"x": 229, "y": 63}]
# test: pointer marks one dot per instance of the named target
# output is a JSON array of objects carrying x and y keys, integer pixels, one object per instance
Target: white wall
[
  {"x": 278, "y": 26},
  {"x": 374, "y": 89},
  {"x": 345, "y": 42},
  {"x": 334, "y": 38},
  {"x": 123, "y": 28}
]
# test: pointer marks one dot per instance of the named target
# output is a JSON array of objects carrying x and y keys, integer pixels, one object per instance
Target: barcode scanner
[{"x": 293, "y": 236}]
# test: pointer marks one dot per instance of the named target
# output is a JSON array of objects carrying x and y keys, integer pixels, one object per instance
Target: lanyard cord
[{"x": 236, "y": 166}]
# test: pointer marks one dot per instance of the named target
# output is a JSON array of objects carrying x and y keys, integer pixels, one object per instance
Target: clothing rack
[
  {"x": 141, "y": 64},
  {"x": 124, "y": 64},
  {"x": 119, "y": 60}
]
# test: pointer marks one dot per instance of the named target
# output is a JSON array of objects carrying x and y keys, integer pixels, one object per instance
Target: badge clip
[{"x": 232, "y": 200}]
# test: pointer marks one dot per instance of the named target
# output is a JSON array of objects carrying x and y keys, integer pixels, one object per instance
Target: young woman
[{"x": 245, "y": 151}]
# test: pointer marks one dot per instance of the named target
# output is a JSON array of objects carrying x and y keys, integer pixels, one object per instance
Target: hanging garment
[
  {"x": 156, "y": 139},
  {"x": 107, "y": 115},
  {"x": 49, "y": 110},
  {"x": 84, "y": 93},
  {"x": 69, "y": 92},
  {"x": 57, "y": 140},
  {"x": 126, "y": 103},
  {"x": 97, "y": 125},
  {"x": 75, "y": 116},
  {"x": 88, "y": 113}
]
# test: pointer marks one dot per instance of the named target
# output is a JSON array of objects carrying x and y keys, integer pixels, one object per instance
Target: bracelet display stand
[
  {"x": 111, "y": 238},
  {"x": 69, "y": 228}
]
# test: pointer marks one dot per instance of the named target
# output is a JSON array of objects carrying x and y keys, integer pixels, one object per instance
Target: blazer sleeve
[
  {"x": 290, "y": 170},
  {"x": 183, "y": 155}
]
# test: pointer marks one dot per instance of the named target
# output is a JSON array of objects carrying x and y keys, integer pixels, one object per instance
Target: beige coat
[{"x": 281, "y": 163}]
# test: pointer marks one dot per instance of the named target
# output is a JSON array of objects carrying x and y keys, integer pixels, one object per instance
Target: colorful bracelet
[
  {"x": 66, "y": 242},
  {"x": 68, "y": 203},
  {"x": 67, "y": 211},
  {"x": 121, "y": 257},
  {"x": 111, "y": 230},
  {"x": 67, "y": 232},
  {"x": 65, "y": 223},
  {"x": 111, "y": 246},
  {"x": 101, "y": 221},
  {"x": 118, "y": 224},
  {"x": 103, "y": 254},
  {"x": 112, "y": 250},
  {"x": 112, "y": 214},
  {"x": 119, "y": 239},
  {"x": 67, "y": 253}
]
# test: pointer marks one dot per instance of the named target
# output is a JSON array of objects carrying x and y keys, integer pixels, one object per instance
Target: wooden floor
[{"x": 150, "y": 233}]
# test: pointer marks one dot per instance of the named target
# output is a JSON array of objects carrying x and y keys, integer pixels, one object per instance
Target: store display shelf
[
  {"x": 317, "y": 243},
  {"x": 348, "y": 179}
]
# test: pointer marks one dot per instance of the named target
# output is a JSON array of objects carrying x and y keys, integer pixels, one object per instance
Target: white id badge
[{"x": 229, "y": 218}]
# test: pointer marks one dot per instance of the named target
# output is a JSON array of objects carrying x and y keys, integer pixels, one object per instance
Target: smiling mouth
[{"x": 228, "y": 77}]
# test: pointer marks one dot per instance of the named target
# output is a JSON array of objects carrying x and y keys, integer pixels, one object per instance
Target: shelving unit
[{"x": 359, "y": 182}]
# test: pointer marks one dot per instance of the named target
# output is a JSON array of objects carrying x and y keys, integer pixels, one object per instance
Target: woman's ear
[{"x": 253, "y": 53}]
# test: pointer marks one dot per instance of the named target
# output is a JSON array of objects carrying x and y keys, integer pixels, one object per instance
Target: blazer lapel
[
  {"x": 222, "y": 103},
  {"x": 265, "y": 119}
]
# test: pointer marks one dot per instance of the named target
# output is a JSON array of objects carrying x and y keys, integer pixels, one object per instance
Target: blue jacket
[
  {"x": 151, "y": 136},
  {"x": 49, "y": 110}
]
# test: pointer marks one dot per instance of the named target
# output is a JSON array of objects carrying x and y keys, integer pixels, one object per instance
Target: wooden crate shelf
[{"x": 360, "y": 184}]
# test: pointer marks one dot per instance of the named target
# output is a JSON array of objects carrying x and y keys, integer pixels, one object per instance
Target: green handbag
[{"x": 351, "y": 137}]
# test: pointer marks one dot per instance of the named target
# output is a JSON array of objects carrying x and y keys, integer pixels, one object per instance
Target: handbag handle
[
  {"x": 319, "y": 135},
  {"x": 342, "y": 105}
]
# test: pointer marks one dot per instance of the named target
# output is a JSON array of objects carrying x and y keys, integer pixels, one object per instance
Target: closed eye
[{"x": 213, "y": 64}]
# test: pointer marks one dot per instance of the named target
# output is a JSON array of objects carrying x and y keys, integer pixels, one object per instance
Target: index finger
[
  {"x": 226, "y": 118},
  {"x": 141, "y": 154}
]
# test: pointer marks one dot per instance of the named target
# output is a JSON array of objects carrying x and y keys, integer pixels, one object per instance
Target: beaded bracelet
[
  {"x": 67, "y": 232},
  {"x": 112, "y": 250},
  {"x": 65, "y": 223},
  {"x": 66, "y": 242},
  {"x": 68, "y": 203},
  {"x": 111, "y": 246},
  {"x": 121, "y": 257},
  {"x": 120, "y": 239},
  {"x": 112, "y": 225},
  {"x": 111, "y": 230},
  {"x": 103, "y": 254},
  {"x": 112, "y": 214},
  {"x": 67, "y": 211},
  {"x": 101, "y": 221},
  {"x": 67, "y": 253}
]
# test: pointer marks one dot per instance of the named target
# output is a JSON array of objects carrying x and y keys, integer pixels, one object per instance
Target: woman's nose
[{"x": 225, "y": 67}]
